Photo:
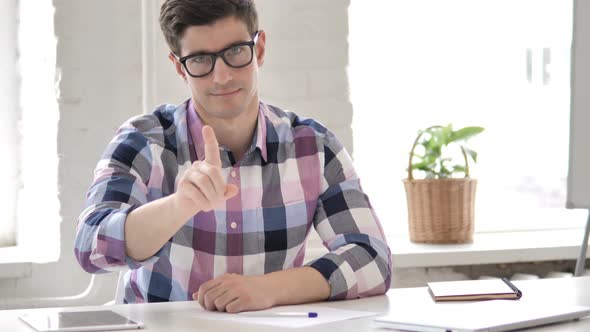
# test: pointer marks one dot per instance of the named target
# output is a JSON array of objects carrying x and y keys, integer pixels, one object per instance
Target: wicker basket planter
[{"x": 441, "y": 210}]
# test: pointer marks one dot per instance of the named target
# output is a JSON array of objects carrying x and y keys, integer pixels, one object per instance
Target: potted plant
[{"x": 441, "y": 207}]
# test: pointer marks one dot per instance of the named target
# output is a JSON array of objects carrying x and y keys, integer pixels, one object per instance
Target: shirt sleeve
[
  {"x": 359, "y": 261},
  {"x": 118, "y": 187}
]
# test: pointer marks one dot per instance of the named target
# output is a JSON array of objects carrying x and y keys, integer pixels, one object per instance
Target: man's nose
[{"x": 222, "y": 72}]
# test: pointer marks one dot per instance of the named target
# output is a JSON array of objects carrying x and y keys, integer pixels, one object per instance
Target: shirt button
[
  {"x": 233, "y": 174},
  {"x": 233, "y": 225}
]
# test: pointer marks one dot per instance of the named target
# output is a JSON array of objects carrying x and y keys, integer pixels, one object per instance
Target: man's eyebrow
[{"x": 204, "y": 51}]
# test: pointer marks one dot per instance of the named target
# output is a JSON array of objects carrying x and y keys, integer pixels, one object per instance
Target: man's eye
[
  {"x": 235, "y": 50},
  {"x": 200, "y": 59}
]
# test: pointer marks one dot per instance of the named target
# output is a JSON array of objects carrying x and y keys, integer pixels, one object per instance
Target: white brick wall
[
  {"x": 306, "y": 60},
  {"x": 99, "y": 57}
]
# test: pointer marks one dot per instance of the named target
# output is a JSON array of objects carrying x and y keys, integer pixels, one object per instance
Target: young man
[{"x": 213, "y": 199}]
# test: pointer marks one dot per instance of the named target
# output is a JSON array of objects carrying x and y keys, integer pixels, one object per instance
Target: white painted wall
[{"x": 99, "y": 55}]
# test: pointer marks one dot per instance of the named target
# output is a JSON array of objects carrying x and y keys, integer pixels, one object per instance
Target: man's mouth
[{"x": 224, "y": 93}]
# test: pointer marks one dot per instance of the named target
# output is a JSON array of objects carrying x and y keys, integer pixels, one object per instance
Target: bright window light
[
  {"x": 37, "y": 212},
  {"x": 500, "y": 64},
  {"x": 9, "y": 138}
]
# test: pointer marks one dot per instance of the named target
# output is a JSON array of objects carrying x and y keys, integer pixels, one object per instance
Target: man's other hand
[{"x": 234, "y": 293}]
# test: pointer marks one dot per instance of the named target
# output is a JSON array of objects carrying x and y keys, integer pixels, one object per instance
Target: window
[
  {"x": 9, "y": 140},
  {"x": 29, "y": 206},
  {"x": 38, "y": 204},
  {"x": 503, "y": 65}
]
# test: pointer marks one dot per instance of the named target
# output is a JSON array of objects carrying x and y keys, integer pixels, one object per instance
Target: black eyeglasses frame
[{"x": 219, "y": 54}]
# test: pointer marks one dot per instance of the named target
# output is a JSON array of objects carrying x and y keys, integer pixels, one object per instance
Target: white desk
[{"x": 164, "y": 316}]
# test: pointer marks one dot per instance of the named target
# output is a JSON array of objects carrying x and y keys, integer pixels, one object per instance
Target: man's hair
[{"x": 177, "y": 15}]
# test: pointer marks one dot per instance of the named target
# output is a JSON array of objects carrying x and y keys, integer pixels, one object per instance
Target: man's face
[{"x": 226, "y": 92}]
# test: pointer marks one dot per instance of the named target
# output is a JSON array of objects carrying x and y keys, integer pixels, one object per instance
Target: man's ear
[
  {"x": 177, "y": 65},
  {"x": 261, "y": 47}
]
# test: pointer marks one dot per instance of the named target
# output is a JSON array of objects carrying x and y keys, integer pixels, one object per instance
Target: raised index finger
[{"x": 211, "y": 147}]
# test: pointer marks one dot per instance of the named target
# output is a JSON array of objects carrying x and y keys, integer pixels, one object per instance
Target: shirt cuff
[
  {"x": 116, "y": 230},
  {"x": 331, "y": 267}
]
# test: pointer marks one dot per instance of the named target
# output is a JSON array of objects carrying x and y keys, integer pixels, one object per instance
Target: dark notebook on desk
[{"x": 473, "y": 290}]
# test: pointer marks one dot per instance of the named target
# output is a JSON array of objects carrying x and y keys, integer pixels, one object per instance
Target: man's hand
[
  {"x": 234, "y": 293},
  {"x": 202, "y": 187}
]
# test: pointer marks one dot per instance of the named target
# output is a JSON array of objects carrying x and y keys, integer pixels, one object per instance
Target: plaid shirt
[{"x": 295, "y": 174}]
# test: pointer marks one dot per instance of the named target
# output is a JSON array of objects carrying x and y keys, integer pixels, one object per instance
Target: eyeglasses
[{"x": 236, "y": 56}]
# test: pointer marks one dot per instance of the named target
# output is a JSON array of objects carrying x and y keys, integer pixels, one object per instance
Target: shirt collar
[{"x": 195, "y": 127}]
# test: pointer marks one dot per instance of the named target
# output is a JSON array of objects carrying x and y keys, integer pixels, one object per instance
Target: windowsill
[
  {"x": 15, "y": 270},
  {"x": 490, "y": 248},
  {"x": 13, "y": 254},
  {"x": 17, "y": 262},
  {"x": 487, "y": 248}
]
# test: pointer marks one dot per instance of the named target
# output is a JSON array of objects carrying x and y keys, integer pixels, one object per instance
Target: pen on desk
[{"x": 279, "y": 314}]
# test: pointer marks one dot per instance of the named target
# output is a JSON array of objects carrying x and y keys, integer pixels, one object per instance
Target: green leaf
[
  {"x": 433, "y": 142},
  {"x": 466, "y": 133},
  {"x": 470, "y": 153},
  {"x": 445, "y": 135},
  {"x": 423, "y": 166},
  {"x": 458, "y": 168}
]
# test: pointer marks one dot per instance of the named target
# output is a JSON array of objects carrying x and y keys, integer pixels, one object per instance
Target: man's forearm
[
  {"x": 148, "y": 227},
  {"x": 297, "y": 285}
]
